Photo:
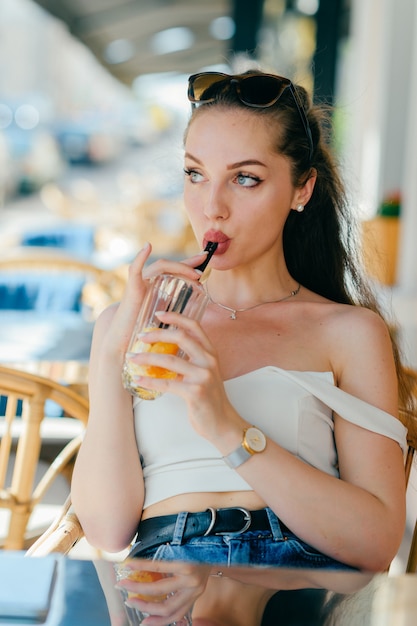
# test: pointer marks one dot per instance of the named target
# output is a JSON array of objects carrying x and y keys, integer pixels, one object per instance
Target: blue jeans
[{"x": 274, "y": 547}]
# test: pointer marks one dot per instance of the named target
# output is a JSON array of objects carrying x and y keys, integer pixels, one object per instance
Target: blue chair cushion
[
  {"x": 44, "y": 336},
  {"x": 40, "y": 292},
  {"x": 76, "y": 239}
]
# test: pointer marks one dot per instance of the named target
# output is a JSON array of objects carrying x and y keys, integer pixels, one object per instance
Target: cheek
[
  {"x": 187, "y": 194},
  {"x": 266, "y": 226},
  {"x": 192, "y": 205},
  {"x": 192, "y": 200}
]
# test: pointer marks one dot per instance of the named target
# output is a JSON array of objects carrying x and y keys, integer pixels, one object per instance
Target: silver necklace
[{"x": 233, "y": 312}]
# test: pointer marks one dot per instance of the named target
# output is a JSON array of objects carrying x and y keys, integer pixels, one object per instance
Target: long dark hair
[{"x": 322, "y": 245}]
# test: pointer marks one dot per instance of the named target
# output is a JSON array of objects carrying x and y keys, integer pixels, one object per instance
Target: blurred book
[{"x": 26, "y": 589}]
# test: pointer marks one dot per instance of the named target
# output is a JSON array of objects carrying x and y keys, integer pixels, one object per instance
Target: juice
[
  {"x": 136, "y": 616},
  {"x": 172, "y": 294},
  {"x": 132, "y": 370},
  {"x": 141, "y": 576}
]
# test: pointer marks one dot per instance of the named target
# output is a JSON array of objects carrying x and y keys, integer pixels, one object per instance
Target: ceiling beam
[{"x": 97, "y": 23}]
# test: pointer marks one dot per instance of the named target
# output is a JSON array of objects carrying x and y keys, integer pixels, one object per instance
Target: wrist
[{"x": 253, "y": 442}]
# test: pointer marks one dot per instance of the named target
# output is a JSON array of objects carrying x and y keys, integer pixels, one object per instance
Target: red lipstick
[
  {"x": 216, "y": 235},
  {"x": 222, "y": 240}
]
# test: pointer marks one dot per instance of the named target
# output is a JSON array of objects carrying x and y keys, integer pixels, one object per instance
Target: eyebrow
[{"x": 232, "y": 166}]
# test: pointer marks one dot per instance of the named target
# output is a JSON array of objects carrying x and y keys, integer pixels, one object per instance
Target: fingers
[
  {"x": 136, "y": 286},
  {"x": 125, "y": 313},
  {"x": 182, "y": 268},
  {"x": 169, "y": 598},
  {"x": 182, "y": 330},
  {"x": 136, "y": 268},
  {"x": 139, "y": 275},
  {"x": 118, "y": 323},
  {"x": 166, "y": 347},
  {"x": 172, "y": 610}
]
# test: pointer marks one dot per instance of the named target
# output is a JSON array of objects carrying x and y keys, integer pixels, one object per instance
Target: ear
[{"x": 303, "y": 194}]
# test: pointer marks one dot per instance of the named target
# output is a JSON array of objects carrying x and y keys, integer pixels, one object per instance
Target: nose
[{"x": 216, "y": 206}]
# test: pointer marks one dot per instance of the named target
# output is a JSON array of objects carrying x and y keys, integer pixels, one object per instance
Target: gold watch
[{"x": 253, "y": 442}]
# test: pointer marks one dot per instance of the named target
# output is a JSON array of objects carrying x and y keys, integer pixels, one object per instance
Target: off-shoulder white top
[{"x": 295, "y": 409}]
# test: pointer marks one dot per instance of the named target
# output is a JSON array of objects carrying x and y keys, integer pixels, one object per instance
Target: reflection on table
[
  {"x": 84, "y": 594},
  {"x": 312, "y": 598}
]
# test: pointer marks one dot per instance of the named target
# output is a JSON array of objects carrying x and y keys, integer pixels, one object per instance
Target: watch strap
[{"x": 237, "y": 457}]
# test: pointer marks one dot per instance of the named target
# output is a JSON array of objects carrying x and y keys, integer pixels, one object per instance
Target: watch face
[{"x": 255, "y": 439}]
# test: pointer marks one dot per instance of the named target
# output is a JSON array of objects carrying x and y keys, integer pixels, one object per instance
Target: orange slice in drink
[
  {"x": 141, "y": 576},
  {"x": 159, "y": 347}
]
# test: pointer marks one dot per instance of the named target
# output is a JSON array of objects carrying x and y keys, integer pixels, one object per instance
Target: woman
[{"x": 291, "y": 342}]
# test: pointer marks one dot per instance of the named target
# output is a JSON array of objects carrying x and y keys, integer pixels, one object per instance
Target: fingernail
[{"x": 128, "y": 604}]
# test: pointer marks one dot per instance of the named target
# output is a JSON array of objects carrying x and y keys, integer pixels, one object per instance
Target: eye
[
  {"x": 193, "y": 175},
  {"x": 247, "y": 180}
]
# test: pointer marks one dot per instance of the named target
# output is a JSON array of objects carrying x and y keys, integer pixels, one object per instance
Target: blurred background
[
  {"x": 93, "y": 106},
  {"x": 92, "y": 111}
]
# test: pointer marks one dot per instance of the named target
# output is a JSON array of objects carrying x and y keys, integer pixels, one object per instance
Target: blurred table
[{"x": 70, "y": 596}]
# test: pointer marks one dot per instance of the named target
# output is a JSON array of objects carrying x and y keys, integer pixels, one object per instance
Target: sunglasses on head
[{"x": 254, "y": 90}]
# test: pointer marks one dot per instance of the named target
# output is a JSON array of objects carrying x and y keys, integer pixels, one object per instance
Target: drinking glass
[
  {"x": 136, "y": 616},
  {"x": 165, "y": 292}
]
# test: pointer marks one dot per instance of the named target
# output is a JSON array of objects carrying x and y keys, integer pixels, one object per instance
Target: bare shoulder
[
  {"x": 105, "y": 318},
  {"x": 362, "y": 322},
  {"x": 361, "y": 354},
  {"x": 356, "y": 325},
  {"x": 344, "y": 326},
  {"x": 101, "y": 328}
]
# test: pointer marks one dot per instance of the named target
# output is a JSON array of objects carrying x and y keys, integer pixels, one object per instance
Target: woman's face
[{"x": 237, "y": 190}]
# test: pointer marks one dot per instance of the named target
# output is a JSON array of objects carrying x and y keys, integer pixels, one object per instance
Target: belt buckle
[{"x": 247, "y": 520}]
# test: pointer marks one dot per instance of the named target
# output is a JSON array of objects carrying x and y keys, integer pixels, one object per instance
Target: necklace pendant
[{"x": 233, "y": 312}]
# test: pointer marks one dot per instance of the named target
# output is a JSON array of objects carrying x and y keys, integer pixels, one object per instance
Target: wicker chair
[
  {"x": 24, "y": 396},
  {"x": 409, "y": 417},
  {"x": 63, "y": 534}
]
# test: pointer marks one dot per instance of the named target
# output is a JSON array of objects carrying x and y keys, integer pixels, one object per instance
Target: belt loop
[
  {"x": 274, "y": 523},
  {"x": 179, "y": 528}
]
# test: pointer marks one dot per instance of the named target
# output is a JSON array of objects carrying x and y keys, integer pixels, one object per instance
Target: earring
[{"x": 299, "y": 208}]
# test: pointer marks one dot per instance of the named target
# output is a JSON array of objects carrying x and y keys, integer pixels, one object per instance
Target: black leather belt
[{"x": 232, "y": 521}]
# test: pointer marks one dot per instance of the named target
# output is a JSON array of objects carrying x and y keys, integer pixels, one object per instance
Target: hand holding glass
[
  {"x": 165, "y": 293},
  {"x": 136, "y": 616}
]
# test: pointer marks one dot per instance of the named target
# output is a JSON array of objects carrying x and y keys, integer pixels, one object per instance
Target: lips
[{"x": 222, "y": 240}]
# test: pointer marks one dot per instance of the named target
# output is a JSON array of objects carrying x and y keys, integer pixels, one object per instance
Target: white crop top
[{"x": 295, "y": 409}]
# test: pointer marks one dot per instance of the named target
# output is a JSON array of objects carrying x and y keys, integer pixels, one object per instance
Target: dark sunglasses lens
[
  {"x": 205, "y": 86},
  {"x": 261, "y": 90}
]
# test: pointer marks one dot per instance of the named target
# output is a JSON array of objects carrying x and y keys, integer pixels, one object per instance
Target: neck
[
  {"x": 234, "y": 310},
  {"x": 242, "y": 291}
]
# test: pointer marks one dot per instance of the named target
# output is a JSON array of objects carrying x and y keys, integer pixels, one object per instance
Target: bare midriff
[{"x": 194, "y": 502}]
